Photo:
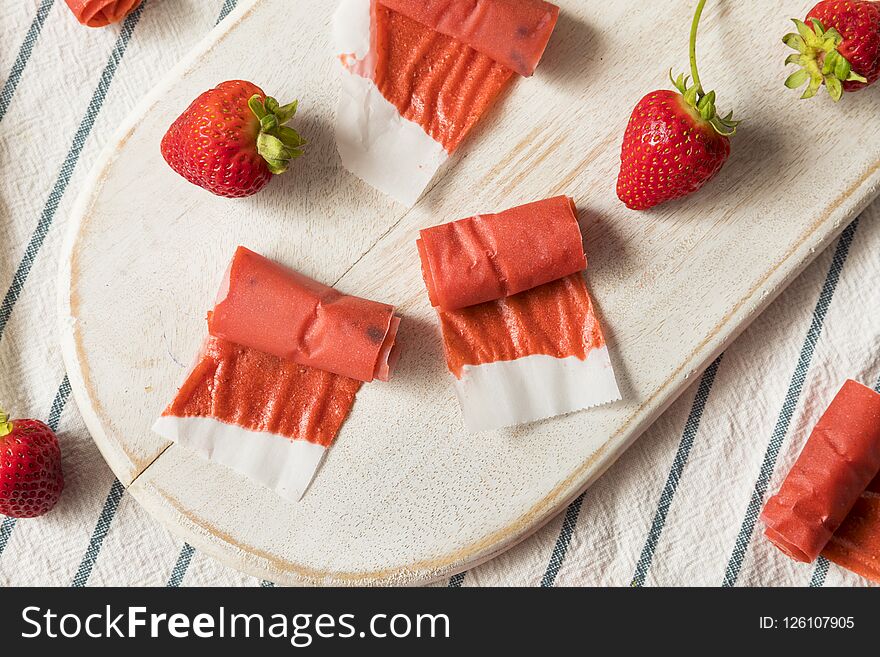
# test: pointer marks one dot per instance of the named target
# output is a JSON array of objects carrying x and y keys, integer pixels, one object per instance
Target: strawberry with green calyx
[
  {"x": 232, "y": 139},
  {"x": 838, "y": 46},
  {"x": 31, "y": 480},
  {"x": 675, "y": 142}
]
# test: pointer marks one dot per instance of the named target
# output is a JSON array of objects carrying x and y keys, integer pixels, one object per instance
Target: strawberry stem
[
  {"x": 694, "y": 95},
  {"x": 693, "y": 46},
  {"x": 5, "y": 424}
]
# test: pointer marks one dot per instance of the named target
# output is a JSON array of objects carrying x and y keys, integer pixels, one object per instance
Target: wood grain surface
[{"x": 406, "y": 495}]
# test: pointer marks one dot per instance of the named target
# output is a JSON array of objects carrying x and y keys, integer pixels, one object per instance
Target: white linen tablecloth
[{"x": 679, "y": 508}]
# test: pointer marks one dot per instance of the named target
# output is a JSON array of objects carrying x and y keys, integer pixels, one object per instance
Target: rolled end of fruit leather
[
  {"x": 489, "y": 257},
  {"x": 856, "y": 543},
  {"x": 837, "y": 464},
  {"x": 100, "y": 13},
  {"x": 514, "y": 33},
  {"x": 268, "y": 307}
]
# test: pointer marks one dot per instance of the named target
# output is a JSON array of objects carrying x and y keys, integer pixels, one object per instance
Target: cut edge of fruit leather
[
  {"x": 819, "y": 506},
  {"x": 278, "y": 373},
  {"x": 396, "y": 125},
  {"x": 528, "y": 356}
]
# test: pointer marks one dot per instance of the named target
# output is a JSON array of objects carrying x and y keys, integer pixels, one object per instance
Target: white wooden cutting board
[{"x": 406, "y": 495}]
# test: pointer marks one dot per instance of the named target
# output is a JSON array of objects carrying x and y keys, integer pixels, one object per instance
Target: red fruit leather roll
[
  {"x": 489, "y": 257},
  {"x": 99, "y": 13},
  {"x": 514, "y": 33},
  {"x": 837, "y": 464},
  {"x": 856, "y": 544},
  {"x": 268, "y": 307}
]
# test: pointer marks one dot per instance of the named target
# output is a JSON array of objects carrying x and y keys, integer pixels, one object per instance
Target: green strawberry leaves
[
  {"x": 277, "y": 143},
  {"x": 5, "y": 424},
  {"x": 819, "y": 60},
  {"x": 704, "y": 104}
]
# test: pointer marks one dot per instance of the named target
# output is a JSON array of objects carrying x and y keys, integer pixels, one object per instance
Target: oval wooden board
[{"x": 406, "y": 495}]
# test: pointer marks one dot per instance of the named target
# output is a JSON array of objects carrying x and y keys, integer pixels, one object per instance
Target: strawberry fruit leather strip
[
  {"x": 260, "y": 392},
  {"x": 839, "y": 461},
  {"x": 265, "y": 417},
  {"x": 556, "y": 319},
  {"x": 514, "y": 33},
  {"x": 100, "y": 13},
  {"x": 489, "y": 257},
  {"x": 276, "y": 310},
  {"x": 433, "y": 80}
]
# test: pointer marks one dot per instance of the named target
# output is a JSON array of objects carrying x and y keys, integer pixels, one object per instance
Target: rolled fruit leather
[
  {"x": 520, "y": 333},
  {"x": 266, "y": 306},
  {"x": 838, "y": 462},
  {"x": 502, "y": 254},
  {"x": 100, "y": 13},
  {"x": 856, "y": 543},
  {"x": 278, "y": 375}
]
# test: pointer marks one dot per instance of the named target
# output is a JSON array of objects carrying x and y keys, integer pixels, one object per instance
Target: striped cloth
[{"x": 681, "y": 506}]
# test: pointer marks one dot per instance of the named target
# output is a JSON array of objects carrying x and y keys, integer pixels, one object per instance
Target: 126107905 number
[{"x": 818, "y": 622}]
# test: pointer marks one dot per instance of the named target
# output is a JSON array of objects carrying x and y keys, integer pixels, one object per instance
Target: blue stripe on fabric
[
  {"x": 734, "y": 565},
  {"x": 456, "y": 581},
  {"x": 5, "y": 532},
  {"x": 182, "y": 565},
  {"x": 111, "y": 504},
  {"x": 557, "y": 557},
  {"x": 678, "y": 464},
  {"x": 228, "y": 6},
  {"x": 67, "y": 168},
  {"x": 24, "y": 55},
  {"x": 819, "y": 574},
  {"x": 58, "y": 404}
]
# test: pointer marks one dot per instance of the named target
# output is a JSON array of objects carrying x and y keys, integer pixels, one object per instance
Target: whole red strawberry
[
  {"x": 30, "y": 468},
  {"x": 232, "y": 139},
  {"x": 838, "y": 46},
  {"x": 675, "y": 141}
]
